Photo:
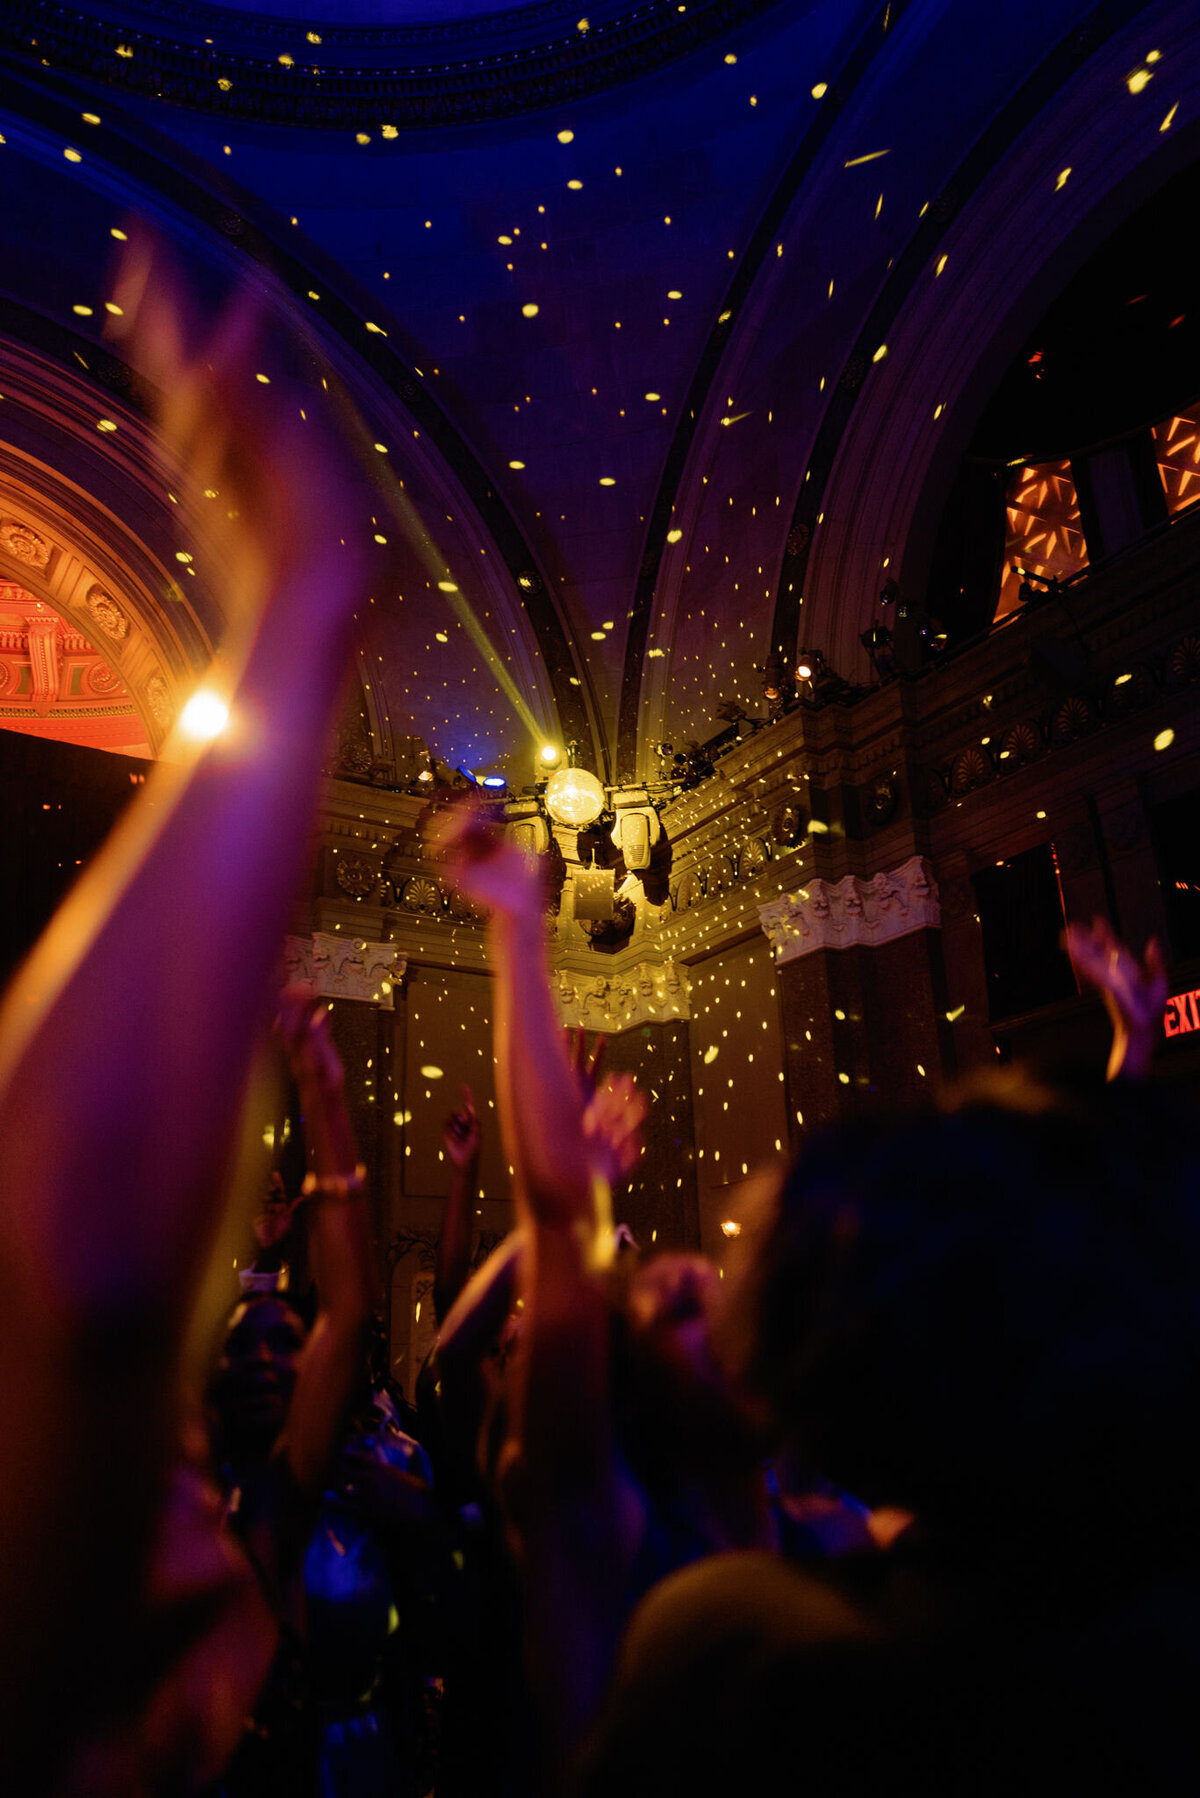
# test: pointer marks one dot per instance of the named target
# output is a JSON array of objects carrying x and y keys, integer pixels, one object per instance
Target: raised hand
[
  {"x": 586, "y": 1066},
  {"x": 482, "y": 862},
  {"x": 252, "y": 460},
  {"x": 460, "y": 1133},
  {"x": 1134, "y": 992},
  {"x": 275, "y": 1219},
  {"x": 303, "y": 1026},
  {"x": 612, "y": 1128}
]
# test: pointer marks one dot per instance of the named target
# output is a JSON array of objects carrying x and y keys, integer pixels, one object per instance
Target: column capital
[
  {"x": 346, "y": 967},
  {"x": 839, "y": 914},
  {"x": 649, "y": 993}
]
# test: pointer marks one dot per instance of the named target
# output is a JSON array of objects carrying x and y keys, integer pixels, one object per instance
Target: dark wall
[{"x": 58, "y": 802}]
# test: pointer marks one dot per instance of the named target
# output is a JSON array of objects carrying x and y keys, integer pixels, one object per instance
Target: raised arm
[
  {"x": 1134, "y": 992},
  {"x": 339, "y": 1243},
  {"x": 566, "y": 1495},
  {"x": 460, "y": 1136},
  {"x": 122, "y": 1069}
]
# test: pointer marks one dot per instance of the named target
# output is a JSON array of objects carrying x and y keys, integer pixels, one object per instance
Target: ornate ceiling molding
[
  {"x": 93, "y": 585},
  {"x": 200, "y": 57}
]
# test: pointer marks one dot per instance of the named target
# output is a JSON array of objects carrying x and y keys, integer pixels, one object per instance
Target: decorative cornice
[
  {"x": 829, "y": 915},
  {"x": 346, "y": 967},
  {"x": 68, "y": 712},
  {"x": 650, "y": 993},
  {"x": 356, "y": 83}
]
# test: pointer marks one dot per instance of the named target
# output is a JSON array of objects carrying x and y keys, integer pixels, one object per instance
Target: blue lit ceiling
[{"x": 628, "y": 286}]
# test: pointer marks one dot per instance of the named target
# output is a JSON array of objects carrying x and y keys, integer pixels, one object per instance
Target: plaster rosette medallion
[
  {"x": 107, "y": 614},
  {"x": 23, "y": 543}
]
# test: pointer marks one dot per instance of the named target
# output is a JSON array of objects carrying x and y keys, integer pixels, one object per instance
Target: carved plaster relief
[
  {"x": 159, "y": 700},
  {"x": 650, "y": 993},
  {"x": 23, "y": 543},
  {"x": 837, "y": 915},
  {"x": 107, "y": 613},
  {"x": 345, "y": 967}
]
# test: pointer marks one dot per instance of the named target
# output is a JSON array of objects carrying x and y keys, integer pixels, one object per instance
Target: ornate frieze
[
  {"x": 650, "y": 993},
  {"x": 345, "y": 967},
  {"x": 840, "y": 914}
]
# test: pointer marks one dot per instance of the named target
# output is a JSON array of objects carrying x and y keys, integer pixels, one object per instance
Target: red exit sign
[{"x": 1182, "y": 1014}]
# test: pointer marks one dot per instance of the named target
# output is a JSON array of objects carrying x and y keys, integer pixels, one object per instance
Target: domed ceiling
[{"x": 600, "y": 294}]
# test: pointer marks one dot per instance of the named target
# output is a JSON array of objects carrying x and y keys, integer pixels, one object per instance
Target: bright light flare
[{"x": 204, "y": 716}]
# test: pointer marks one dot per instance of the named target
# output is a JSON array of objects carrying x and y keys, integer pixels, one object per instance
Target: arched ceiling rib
[
  {"x": 451, "y": 519},
  {"x": 335, "y": 75},
  {"x": 1025, "y": 221}
]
